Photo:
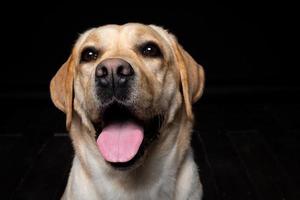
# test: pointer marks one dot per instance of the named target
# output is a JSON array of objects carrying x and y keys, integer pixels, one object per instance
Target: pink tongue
[{"x": 120, "y": 142}]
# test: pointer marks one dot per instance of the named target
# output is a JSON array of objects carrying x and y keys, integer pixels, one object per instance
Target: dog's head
[{"x": 127, "y": 83}]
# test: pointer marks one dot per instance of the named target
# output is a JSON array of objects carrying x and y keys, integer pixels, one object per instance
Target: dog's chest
[
  {"x": 164, "y": 190},
  {"x": 145, "y": 195}
]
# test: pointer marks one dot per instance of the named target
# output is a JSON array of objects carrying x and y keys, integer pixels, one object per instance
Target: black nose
[
  {"x": 114, "y": 76},
  {"x": 114, "y": 69}
]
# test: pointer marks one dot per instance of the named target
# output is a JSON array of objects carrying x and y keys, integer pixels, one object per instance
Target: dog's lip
[
  {"x": 151, "y": 129},
  {"x": 107, "y": 116}
]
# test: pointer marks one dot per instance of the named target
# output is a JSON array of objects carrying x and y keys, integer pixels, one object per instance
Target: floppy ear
[
  {"x": 61, "y": 89},
  {"x": 191, "y": 77}
]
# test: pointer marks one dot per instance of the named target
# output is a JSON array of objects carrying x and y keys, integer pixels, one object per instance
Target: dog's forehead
[{"x": 111, "y": 35}]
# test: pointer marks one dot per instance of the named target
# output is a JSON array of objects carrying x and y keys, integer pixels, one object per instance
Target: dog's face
[{"x": 127, "y": 83}]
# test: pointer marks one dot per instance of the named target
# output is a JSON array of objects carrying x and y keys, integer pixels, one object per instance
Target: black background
[
  {"x": 247, "y": 49},
  {"x": 246, "y": 134}
]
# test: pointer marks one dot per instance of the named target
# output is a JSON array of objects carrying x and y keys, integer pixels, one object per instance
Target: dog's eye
[
  {"x": 89, "y": 54},
  {"x": 150, "y": 49}
]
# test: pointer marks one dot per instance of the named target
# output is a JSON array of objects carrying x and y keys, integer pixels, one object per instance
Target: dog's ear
[
  {"x": 191, "y": 73},
  {"x": 61, "y": 89},
  {"x": 191, "y": 77}
]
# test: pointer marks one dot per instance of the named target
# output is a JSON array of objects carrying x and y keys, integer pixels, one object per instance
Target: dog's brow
[
  {"x": 89, "y": 47},
  {"x": 144, "y": 42}
]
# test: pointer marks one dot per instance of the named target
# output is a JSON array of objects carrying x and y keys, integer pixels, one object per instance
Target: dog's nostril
[
  {"x": 101, "y": 71},
  {"x": 125, "y": 70},
  {"x": 102, "y": 75}
]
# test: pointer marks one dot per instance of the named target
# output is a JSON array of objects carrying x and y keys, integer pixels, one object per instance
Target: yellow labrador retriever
[{"x": 127, "y": 92}]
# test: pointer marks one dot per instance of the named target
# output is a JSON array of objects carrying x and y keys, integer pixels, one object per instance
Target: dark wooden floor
[{"x": 244, "y": 151}]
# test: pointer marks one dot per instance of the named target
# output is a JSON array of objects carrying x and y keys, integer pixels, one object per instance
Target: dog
[{"x": 127, "y": 92}]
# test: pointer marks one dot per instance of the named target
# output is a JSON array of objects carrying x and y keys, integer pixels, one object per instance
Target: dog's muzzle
[
  {"x": 113, "y": 78},
  {"x": 121, "y": 135}
]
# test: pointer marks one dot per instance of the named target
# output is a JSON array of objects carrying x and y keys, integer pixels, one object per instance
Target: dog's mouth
[{"x": 122, "y": 137}]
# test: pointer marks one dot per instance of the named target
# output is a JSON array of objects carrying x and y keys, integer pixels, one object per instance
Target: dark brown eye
[
  {"x": 150, "y": 49},
  {"x": 89, "y": 54}
]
